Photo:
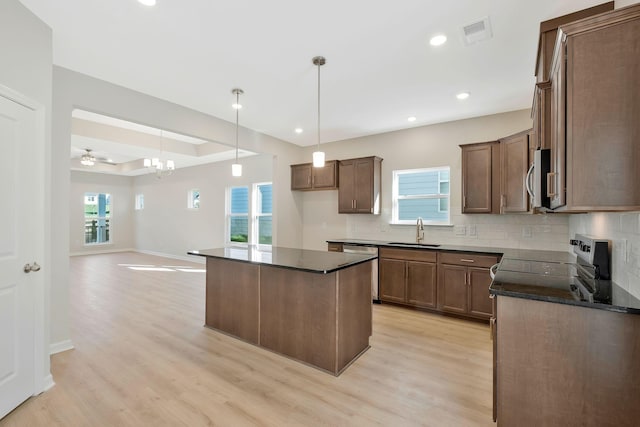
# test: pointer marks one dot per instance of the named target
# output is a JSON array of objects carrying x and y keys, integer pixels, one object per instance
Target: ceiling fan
[{"x": 88, "y": 159}]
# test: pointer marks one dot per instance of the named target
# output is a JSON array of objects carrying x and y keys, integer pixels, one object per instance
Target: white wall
[
  {"x": 25, "y": 67},
  {"x": 167, "y": 226},
  {"x": 121, "y": 222},
  {"x": 429, "y": 146},
  {"x": 623, "y": 229}
]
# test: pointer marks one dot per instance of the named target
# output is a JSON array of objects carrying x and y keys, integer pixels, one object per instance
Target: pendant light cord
[
  {"x": 319, "y": 106},
  {"x": 237, "y": 119}
]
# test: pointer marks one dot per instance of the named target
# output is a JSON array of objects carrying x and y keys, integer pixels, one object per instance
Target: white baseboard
[
  {"x": 101, "y": 251},
  {"x": 59, "y": 347},
  {"x": 190, "y": 258},
  {"x": 47, "y": 383}
]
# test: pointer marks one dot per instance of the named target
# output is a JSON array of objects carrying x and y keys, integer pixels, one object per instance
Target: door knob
[{"x": 31, "y": 267}]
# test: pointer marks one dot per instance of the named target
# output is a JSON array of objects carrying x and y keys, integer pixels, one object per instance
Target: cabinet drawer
[
  {"x": 409, "y": 254},
  {"x": 469, "y": 259}
]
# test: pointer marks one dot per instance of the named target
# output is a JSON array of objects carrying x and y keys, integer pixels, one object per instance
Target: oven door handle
[
  {"x": 527, "y": 181},
  {"x": 492, "y": 270}
]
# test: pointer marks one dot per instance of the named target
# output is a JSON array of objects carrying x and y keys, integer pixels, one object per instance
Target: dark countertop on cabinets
[
  {"x": 541, "y": 286},
  {"x": 296, "y": 259}
]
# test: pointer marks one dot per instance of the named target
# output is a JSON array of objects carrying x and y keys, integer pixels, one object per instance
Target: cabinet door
[
  {"x": 480, "y": 304},
  {"x": 477, "y": 179},
  {"x": 392, "y": 280},
  {"x": 452, "y": 288},
  {"x": 514, "y": 153},
  {"x": 301, "y": 177},
  {"x": 421, "y": 284},
  {"x": 325, "y": 177},
  {"x": 556, "y": 178},
  {"x": 347, "y": 190},
  {"x": 363, "y": 186}
]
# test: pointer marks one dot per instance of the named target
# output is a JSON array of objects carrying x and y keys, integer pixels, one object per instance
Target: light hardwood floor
[{"x": 142, "y": 357}]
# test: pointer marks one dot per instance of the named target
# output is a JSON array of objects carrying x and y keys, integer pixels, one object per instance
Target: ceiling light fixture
[
  {"x": 298, "y": 130},
  {"x": 236, "y": 168},
  {"x": 162, "y": 168},
  {"x": 87, "y": 158},
  {"x": 463, "y": 95},
  {"x": 411, "y": 119},
  {"x": 147, "y": 2},
  {"x": 438, "y": 40},
  {"x": 318, "y": 156}
]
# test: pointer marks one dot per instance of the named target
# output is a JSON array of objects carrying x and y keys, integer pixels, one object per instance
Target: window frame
[
  {"x": 395, "y": 197},
  {"x": 139, "y": 202},
  {"x": 229, "y": 215},
  {"x": 252, "y": 216},
  {"x": 193, "y": 202},
  {"x": 255, "y": 223},
  {"x": 93, "y": 196}
]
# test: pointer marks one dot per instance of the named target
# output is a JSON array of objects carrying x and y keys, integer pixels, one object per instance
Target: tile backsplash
[
  {"x": 549, "y": 232},
  {"x": 623, "y": 229}
]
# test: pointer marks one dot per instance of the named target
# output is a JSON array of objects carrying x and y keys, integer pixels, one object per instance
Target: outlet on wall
[
  {"x": 526, "y": 232},
  {"x": 472, "y": 230},
  {"x": 460, "y": 230}
]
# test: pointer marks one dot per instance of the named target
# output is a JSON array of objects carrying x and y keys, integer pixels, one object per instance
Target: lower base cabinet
[
  {"x": 451, "y": 282},
  {"x": 408, "y": 276},
  {"x": 463, "y": 284}
]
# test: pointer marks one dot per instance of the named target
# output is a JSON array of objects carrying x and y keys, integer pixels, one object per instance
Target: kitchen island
[{"x": 312, "y": 306}]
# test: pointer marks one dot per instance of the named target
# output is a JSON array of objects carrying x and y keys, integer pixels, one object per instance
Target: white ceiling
[{"x": 380, "y": 67}]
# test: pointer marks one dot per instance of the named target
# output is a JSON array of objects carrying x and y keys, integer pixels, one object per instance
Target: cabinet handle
[
  {"x": 551, "y": 183},
  {"x": 492, "y": 328},
  {"x": 467, "y": 260},
  {"x": 469, "y": 281},
  {"x": 464, "y": 201},
  {"x": 465, "y": 279}
]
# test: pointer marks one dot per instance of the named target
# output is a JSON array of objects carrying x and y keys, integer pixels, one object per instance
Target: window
[
  {"x": 421, "y": 193},
  {"x": 97, "y": 215},
  {"x": 250, "y": 222},
  {"x": 262, "y": 213},
  {"x": 139, "y": 202},
  {"x": 238, "y": 213},
  {"x": 193, "y": 199}
]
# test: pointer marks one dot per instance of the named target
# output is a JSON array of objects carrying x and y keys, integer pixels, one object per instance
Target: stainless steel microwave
[{"x": 536, "y": 180}]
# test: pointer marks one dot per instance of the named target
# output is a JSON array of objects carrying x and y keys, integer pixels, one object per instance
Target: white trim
[
  {"x": 190, "y": 258},
  {"x": 59, "y": 347},
  {"x": 47, "y": 384},
  {"x": 101, "y": 251}
]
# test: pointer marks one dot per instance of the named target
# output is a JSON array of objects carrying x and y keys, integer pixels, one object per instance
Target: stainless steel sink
[{"x": 429, "y": 245}]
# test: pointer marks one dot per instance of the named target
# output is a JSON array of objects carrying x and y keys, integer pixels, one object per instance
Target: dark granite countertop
[
  {"x": 550, "y": 276},
  {"x": 322, "y": 262}
]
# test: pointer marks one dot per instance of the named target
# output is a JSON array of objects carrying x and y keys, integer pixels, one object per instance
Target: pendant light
[
  {"x": 236, "y": 168},
  {"x": 318, "y": 156}
]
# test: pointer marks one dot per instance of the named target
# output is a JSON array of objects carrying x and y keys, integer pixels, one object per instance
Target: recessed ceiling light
[
  {"x": 148, "y": 2},
  {"x": 463, "y": 95},
  {"x": 298, "y": 130},
  {"x": 236, "y": 106},
  {"x": 412, "y": 118},
  {"x": 438, "y": 40}
]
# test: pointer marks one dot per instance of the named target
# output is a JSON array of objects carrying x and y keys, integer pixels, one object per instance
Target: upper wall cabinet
[
  {"x": 305, "y": 177},
  {"x": 549, "y": 32},
  {"x": 481, "y": 177},
  {"x": 514, "y": 164},
  {"x": 595, "y": 110},
  {"x": 359, "y": 190}
]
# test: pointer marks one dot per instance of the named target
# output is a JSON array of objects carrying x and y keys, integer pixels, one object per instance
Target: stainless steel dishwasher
[{"x": 369, "y": 250}]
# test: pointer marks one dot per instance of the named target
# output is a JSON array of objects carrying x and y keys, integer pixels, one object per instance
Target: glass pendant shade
[
  {"x": 147, "y": 163},
  {"x": 318, "y": 159},
  {"x": 236, "y": 169}
]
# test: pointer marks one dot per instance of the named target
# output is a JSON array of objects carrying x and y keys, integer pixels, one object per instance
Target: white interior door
[{"x": 20, "y": 208}]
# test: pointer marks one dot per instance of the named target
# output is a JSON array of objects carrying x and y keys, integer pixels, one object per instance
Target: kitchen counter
[
  {"x": 311, "y": 306},
  {"x": 297, "y": 259},
  {"x": 541, "y": 286}
]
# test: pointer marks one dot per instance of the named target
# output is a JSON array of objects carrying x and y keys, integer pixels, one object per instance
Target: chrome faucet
[{"x": 419, "y": 230}]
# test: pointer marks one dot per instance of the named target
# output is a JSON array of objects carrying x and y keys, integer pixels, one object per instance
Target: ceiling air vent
[{"x": 477, "y": 32}]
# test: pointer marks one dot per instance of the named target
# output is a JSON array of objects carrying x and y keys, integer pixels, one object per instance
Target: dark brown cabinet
[
  {"x": 595, "y": 94},
  {"x": 481, "y": 177},
  {"x": 463, "y": 283},
  {"x": 335, "y": 247},
  {"x": 304, "y": 177},
  {"x": 514, "y": 159},
  {"x": 408, "y": 276},
  {"x": 359, "y": 190}
]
